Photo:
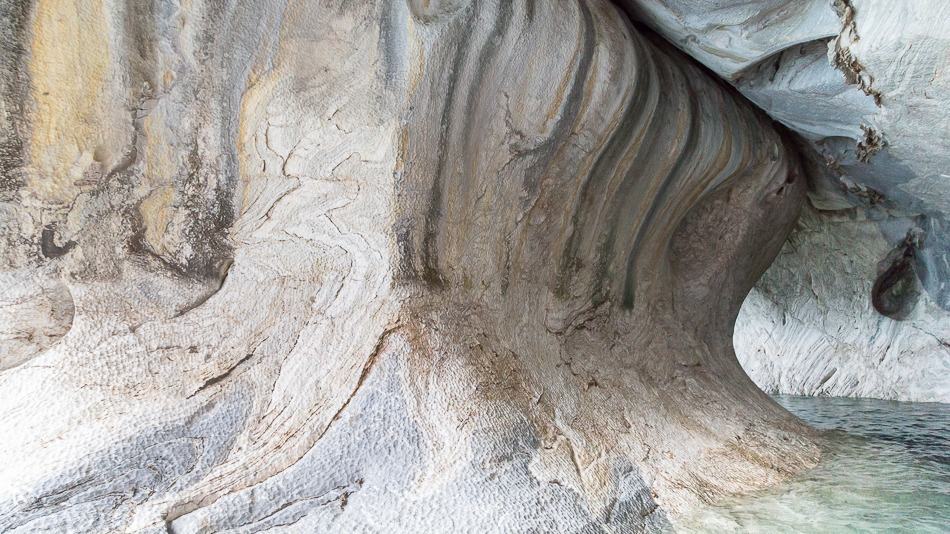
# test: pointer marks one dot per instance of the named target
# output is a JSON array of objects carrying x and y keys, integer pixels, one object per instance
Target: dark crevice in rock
[
  {"x": 48, "y": 245},
  {"x": 222, "y": 274},
  {"x": 897, "y": 287},
  {"x": 216, "y": 379}
]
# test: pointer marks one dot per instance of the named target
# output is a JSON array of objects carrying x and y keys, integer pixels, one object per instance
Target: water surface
[{"x": 885, "y": 468}]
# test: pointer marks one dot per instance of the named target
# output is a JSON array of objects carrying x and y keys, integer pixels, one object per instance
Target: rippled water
[{"x": 885, "y": 468}]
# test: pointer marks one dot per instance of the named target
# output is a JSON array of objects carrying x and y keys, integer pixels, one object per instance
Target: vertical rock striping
[
  {"x": 865, "y": 84},
  {"x": 355, "y": 266}
]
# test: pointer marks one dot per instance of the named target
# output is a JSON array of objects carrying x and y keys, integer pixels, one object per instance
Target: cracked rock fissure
[{"x": 421, "y": 266}]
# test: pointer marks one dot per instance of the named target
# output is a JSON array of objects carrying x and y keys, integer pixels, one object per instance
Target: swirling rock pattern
[
  {"x": 380, "y": 266},
  {"x": 866, "y": 85}
]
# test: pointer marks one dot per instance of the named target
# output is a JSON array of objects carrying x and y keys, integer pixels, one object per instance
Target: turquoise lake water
[{"x": 885, "y": 468}]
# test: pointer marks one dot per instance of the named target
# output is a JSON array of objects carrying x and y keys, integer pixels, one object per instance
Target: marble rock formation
[
  {"x": 862, "y": 306},
  {"x": 809, "y": 328},
  {"x": 398, "y": 265}
]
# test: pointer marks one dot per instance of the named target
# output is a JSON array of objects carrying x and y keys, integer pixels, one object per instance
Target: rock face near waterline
[
  {"x": 866, "y": 83},
  {"x": 809, "y": 328},
  {"x": 356, "y": 266}
]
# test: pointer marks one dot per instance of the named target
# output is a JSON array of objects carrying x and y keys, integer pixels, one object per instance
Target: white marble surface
[
  {"x": 426, "y": 266},
  {"x": 808, "y": 328}
]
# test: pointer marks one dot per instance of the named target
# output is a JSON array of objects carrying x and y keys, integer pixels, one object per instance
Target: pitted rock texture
[{"x": 377, "y": 266}]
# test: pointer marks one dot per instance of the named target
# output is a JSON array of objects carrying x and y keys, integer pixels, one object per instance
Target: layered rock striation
[
  {"x": 860, "y": 303},
  {"x": 356, "y": 266}
]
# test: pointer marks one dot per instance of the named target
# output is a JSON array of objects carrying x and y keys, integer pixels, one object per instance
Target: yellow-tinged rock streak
[{"x": 79, "y": 118}]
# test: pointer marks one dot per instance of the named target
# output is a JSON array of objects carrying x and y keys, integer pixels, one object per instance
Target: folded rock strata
[
  {"x": 865, "y": 84},
  {"x": 356, "y": 266}
]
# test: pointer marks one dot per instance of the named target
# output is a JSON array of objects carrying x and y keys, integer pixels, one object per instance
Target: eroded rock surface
[
  {"x": 865, "y": 83},
  {"x": 827, "y": 338},
  {"x": 359, "y": 266}
]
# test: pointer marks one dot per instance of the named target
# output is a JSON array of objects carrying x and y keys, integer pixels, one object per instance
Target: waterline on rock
[{"x": 886, "y": 466}]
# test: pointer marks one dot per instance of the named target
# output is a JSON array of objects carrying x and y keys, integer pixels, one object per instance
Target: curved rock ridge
[
  {"x": 731, "y": 36},
  {"x": 359, "y": 266},
  {"x": 866, "y": 85},
  {"x": 862, "y": 81}
]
